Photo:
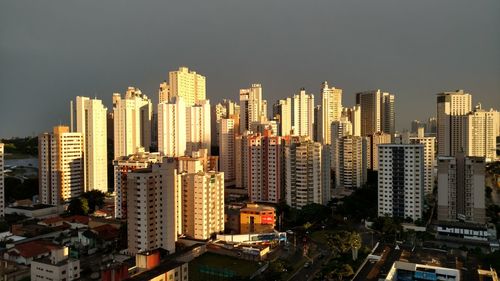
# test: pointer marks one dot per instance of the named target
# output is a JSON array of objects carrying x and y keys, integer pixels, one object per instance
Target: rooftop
[
  {"x": 160, "y": 269},
  {"x": 33, "y": 248},
  {"x": 32, "y": 208}
]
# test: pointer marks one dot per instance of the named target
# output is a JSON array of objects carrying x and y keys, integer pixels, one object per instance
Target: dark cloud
[{"x": 51, "y": 51}]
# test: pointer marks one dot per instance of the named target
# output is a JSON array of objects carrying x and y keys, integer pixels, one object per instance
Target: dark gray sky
[{"x": 52, "y": 51}]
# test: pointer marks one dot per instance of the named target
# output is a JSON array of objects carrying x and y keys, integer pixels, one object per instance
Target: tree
[
  {"x": 342, "y": 271},
  {"x": 388, "y": 226},
  {"x": 15, "y": 189},
  {"x": 313, "y": 213},
  {"x": 78, "y": 206},
  {"x": 355, "y": 243},
  {"x": 339, "y": 241},
  {"x": 95, "y": 199}
]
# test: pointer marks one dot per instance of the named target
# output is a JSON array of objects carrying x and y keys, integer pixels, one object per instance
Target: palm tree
[{"x": 355, "y": 243}]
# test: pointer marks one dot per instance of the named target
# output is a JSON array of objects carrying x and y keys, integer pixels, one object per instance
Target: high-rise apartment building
[
  {"x": 480, "y": 127},
  {"x": 415, "y": 125},
  {"x": 429, "y": 144},
  {"x": 227, "y": 152},
  {"x": 265, "y": 156},
  {"x": 121, "y": 168},
  {"x": 2, "y": 178},
  {"x": 265, "y": 125},
  {"x": 353, "y": 114},
  {"x": 339, "y": 129},
  {"x": 282, "y": 112},
  {"x": 331, "y": 110},
  {"x": 431, "y": 126},
  {"x": 153, "y": 207},
  {"x": 197, "y": 161},
  {"x": 388, "y": 122},
  {"x": 401, "y": 180},
  {"x": 372, "y": 151},
  {"x": 241, "y": 159},
  {"x": 377, "y": 112},
  {"x": 303, "y": 114},
  {"x": 317, "y": 127},
  {"x": 198, "y": 134},
  {"x": 303, "y": 172},
  {"x": 164, "y": 92},
  {"x": 187, "y": 84},
  {"x": 231, "y": 107},
  {"x": 91, "y": 123},
  {"x": 172, "y": 127},
  {"x": 350, "y": 162},
  {"x": 461, "y": 195},
  {"x": 132, "y": 122},
  {"x": 225, "y": 109},
  {"x": 61, "y": 166},
  {"x": 451, "y": 109},
  {"x": 217, "y": 113},
  {"x": 203, "y": 204},
  {"x": 252, "y": 107}
]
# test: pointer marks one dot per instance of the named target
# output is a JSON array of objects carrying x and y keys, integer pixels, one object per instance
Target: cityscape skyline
[
  {"x": 263, "y": 140},
  {"x": 412, "y": 58}
]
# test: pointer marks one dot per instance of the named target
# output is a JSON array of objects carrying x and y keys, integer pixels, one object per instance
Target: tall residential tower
[{"x": 91, "y": 123}]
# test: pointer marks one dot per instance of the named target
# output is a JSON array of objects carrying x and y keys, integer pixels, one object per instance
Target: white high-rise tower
[
  {"x": 331, "y": 110},
  {"x": 91, "y": 123},
  {"x": 132, "y": 122},
  {"x": 303, "y": 114},
  {"x": 172, "y": 127}
]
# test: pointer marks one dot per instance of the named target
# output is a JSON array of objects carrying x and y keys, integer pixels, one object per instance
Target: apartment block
[
  {"x": 227, "y": 149},
  {"x": 451, "y": 109},
  {"x": 153, "y": 207},
  {"x": 121, "y": 168},
  {"x": 92, "y": 124},
  {"x": 401, "y": 180},
  {"x": 202, "y": 204},
  {"x": 480, "y": 127},
  {"x": 461, "y": 182},
  {"x": 188, "y": 84},
  {"x": 131, "y": 122},
  {"x": 265, "y": 156},
  {"x": 303, "y": 172},
  {"x": 303, "y": 114},
  {"x": 429, "y": 144},
  {"x": 377, "y": 112},
  {"x": 58, "y": 266},
  {"x": 282, "y": 112},
  {"x": 198, "y": 133},
  {"x": 172, "y": 127},
  {"x": 61, "y": 166},
  {"x": 331, "y": 110},
  {"x": 252, "y": 107},
  {"x": 374, "y": 140}
]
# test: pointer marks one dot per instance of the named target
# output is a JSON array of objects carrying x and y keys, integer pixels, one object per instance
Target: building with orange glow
[
  {"x": 61, "y": 166},
  {"x": 256, "y": 218}
]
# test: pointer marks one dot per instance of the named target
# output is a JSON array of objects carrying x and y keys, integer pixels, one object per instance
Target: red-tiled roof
[
  {"x": 52, "y": 220},
  {"x": 33, "y": 248},
  {"x": 77, "y": 219},
  {"x": 107, "y": 232}
]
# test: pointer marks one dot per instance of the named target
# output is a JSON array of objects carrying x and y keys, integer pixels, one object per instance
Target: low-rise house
[
  {"x": 74, "y": 222},
  {"x": 25, "y": 253}
]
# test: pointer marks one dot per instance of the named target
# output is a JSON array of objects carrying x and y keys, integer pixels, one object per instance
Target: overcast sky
[{"x": 52, "y": 51}]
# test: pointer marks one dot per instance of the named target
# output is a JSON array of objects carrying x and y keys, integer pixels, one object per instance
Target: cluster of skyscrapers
[{"x": 173, "y": 162}]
